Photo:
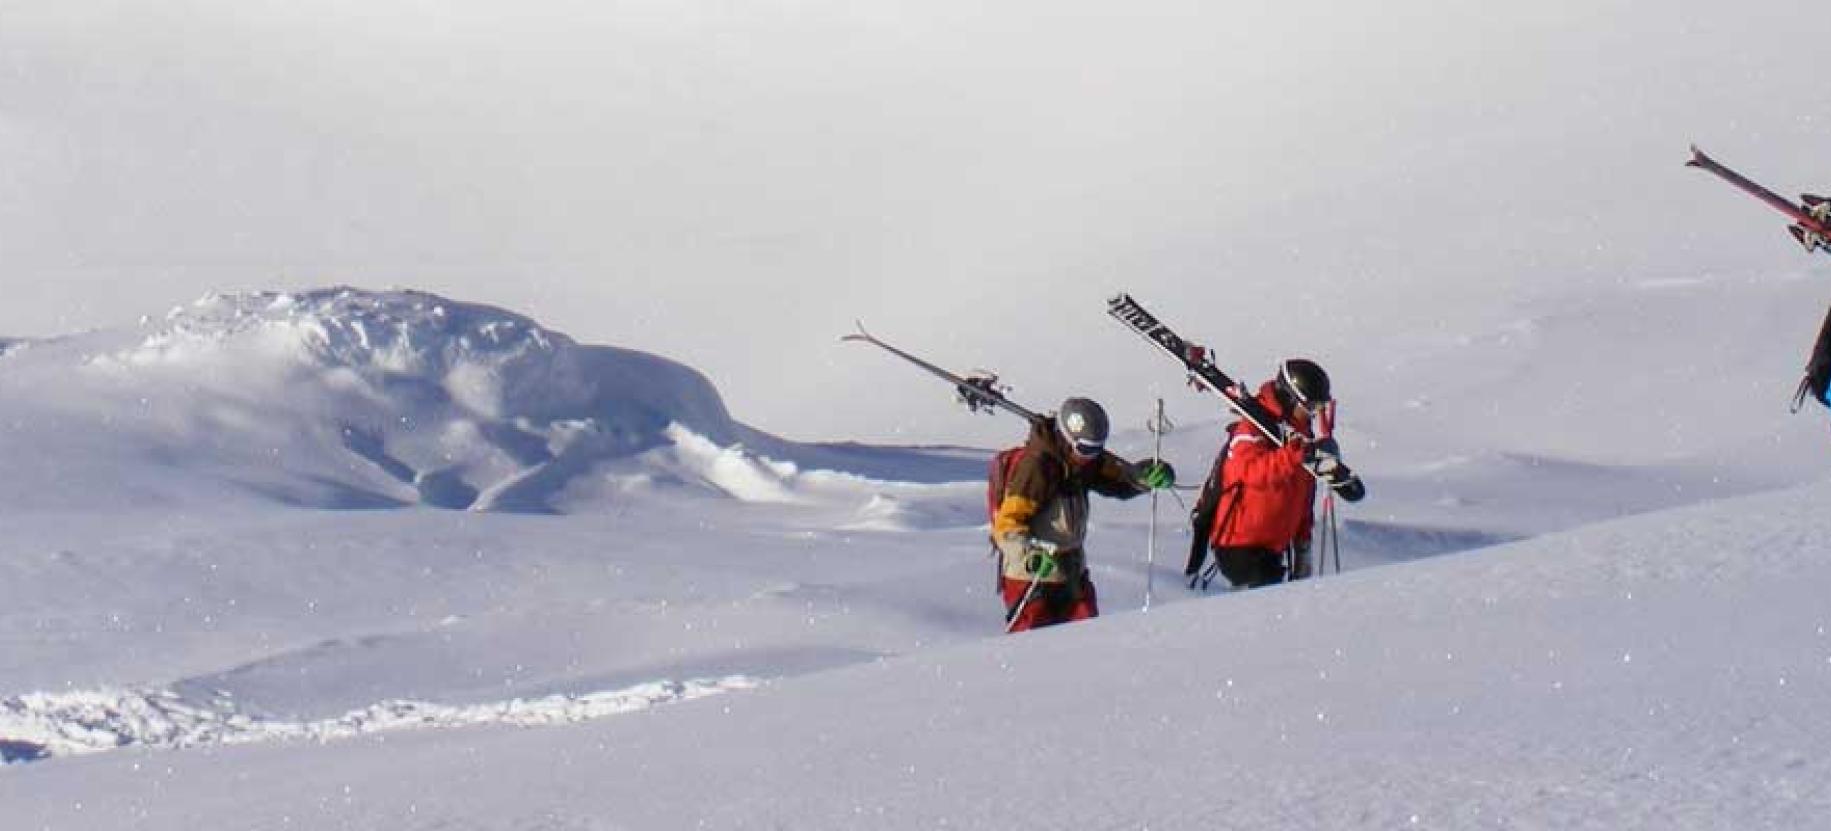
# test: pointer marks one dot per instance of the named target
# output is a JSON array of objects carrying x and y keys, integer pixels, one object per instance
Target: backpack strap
[
  {"x": 998, "y": 478},
  {"x": 1201, "y": 518}
]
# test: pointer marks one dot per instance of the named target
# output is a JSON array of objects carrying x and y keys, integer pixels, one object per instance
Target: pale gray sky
[{"x": 731, "y": 184}]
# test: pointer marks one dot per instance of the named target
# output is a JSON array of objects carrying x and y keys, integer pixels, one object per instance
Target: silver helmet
[{"x": 1084, "y": 425}]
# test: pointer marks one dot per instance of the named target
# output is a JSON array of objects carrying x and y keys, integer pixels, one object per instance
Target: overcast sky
[{"x": 732, "y": 184}]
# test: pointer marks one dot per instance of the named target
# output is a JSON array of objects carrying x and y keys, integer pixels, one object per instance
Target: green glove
[
  {"x": 1039, "y": 560},
  {"x": 1156, "y": 475}
]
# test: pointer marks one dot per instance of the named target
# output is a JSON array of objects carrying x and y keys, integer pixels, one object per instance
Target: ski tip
[
  {"x": 1698, "y": 159},
  {"x": 861, "y": 334},
  {"x": 1812, "y": 199}
]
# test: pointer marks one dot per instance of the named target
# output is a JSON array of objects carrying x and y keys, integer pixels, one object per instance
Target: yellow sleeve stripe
[{"x": 1014, "y": 515}]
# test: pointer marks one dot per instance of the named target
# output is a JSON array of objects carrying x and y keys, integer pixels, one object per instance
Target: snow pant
[
  {"x": 1250, "y": 567},
  {"x": 1052, "y": 603}
]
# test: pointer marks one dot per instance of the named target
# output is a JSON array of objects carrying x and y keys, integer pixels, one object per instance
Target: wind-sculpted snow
[
  {"x": 420, "y": 352},
  {"x": 487, "y": 361},
  {"x": 346, "y": 398},
  {"x": 42, "y": 725}
]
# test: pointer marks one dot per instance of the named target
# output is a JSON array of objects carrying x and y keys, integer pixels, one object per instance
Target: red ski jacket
[{"x": 1267, "y": 497}]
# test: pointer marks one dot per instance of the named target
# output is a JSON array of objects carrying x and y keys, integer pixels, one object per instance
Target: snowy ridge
[{"x": 40, "y": 725}]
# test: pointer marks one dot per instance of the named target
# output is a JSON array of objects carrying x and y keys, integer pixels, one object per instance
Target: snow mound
[
  {"x": 488, "y": 361},
  {"x": 349, "y": 398},
  {"x": 42, "y": 725}
]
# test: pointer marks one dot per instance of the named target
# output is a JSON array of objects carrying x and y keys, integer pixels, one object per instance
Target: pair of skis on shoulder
[
  {"x": 1811, "y": 227},
  {"x": 981, "y": 391},
  {"x": 1811, "y": 214}
]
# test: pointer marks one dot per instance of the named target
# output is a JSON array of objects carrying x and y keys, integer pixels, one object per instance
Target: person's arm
[
  {"x": 1120, "y": 479},
  {"x": 1257, "y": 464}
]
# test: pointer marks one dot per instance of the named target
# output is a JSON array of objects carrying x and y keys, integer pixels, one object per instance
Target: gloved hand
[
  {"x": 1156, "y": 474},
  {"x": 1348, "y": 487},
  {"x": 1039, "y": 558},
  {"x": 1323, "y": 458}
]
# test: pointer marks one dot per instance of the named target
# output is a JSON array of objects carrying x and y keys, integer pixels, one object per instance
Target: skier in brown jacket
[{"x": 1041, "y": 522}]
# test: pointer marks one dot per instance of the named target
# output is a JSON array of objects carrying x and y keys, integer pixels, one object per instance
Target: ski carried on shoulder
[
  {"x": 1210, "y": 377},
  {"x": 1202, "y": 370},
  {"x": 979, "y": 391},
  {"x": 1205, "y": 374},
  {"x": 1811, "y": 221}
]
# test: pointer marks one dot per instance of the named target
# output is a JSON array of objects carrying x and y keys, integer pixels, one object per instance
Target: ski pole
[
  {"x": 1036, "y": 579},
  {"x": 1018, "y": 610},
  {"x": 1158, "y": 427},
  {"x": 1328, "y": 505},
  {"x": 1326, "y": 424}
]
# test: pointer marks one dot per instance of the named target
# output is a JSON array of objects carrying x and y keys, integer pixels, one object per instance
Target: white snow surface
[
  {"x": 94, "y": 720},
  {"x": 382, "y": 559},
  {"x": 311, "y": 553}
]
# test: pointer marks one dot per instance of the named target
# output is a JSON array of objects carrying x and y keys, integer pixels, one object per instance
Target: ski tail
[
  {"x": 1812, "y": 200},
  {"x": 1201, "y": 370},
  {"x": 1750, "y": 187},
  {"x": 978, "y": 393}
]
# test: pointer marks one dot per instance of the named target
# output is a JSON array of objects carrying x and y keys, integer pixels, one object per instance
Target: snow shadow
[
  {"x": 14, "y": 750},
  {"x": 1382, "y": 542}
]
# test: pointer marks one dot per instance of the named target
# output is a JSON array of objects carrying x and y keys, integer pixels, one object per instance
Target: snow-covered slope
[
  {"x": 1665, "y": 671},
  {"x": 181, "y": 603}
]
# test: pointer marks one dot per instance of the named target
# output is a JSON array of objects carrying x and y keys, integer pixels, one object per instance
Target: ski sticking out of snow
[
  {"x": 1203, "y": 371},
  {"x": 1812, "y": 221},
  {"x": 980, "y": 392}
]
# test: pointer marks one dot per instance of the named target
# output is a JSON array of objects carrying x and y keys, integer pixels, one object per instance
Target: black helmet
[
  {"x": 1302, "y": 381},
  {"x": 1083, "y": 424}
]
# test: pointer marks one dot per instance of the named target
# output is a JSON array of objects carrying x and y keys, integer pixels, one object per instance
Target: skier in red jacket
[{"x": 1257, "y": 507}]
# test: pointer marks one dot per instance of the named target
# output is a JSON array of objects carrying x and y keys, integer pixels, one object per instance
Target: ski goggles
[{"x": 1083, "y": 447}]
